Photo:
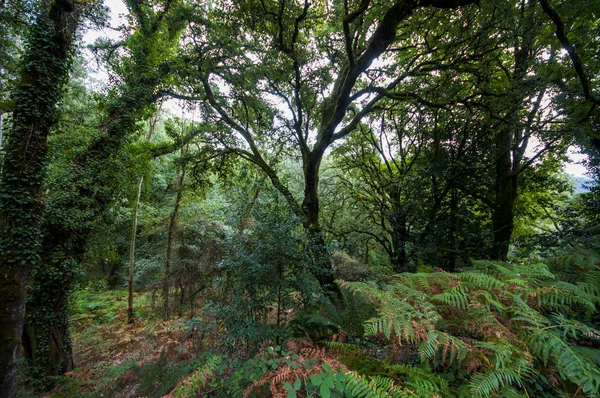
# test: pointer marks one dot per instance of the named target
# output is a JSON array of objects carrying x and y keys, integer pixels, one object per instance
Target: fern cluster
[{"x": 496, "y": 329}]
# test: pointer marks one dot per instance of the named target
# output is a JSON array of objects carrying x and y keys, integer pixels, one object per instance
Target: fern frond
[
  {"x": 375, "y": 387},
  {"x": 457, "y": 297},
  {"x": 562, "y": 295},
  {"x": 574, "y": 328},
  {"x": 193, "y": 384},
  {"x": 481, "y": 280},
  {"x": 343, "y": 347},
  {"x": 548, "y": 345},
  {"x": 421, "y": 382},
  {"x": 488, "y": 383},
  {"x": 445, "y": 343}
]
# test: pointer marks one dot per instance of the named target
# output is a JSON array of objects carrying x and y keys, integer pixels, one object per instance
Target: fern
[
  {"x": 481, "y": 280},
  {"x": 550, "y": 346},
  {"x": 345, "y": 348},
  {"x": 502, "y": 375},
  {"x": 457, "y": 297},
  {"x": 439, "y": 341},
  {"x": 375, "y": 387},
  {"x": 346, "y": 313},
  {"x": 421, "y": 382},
  {"x": 193, "y": 384},
  {"x": 492, "y": 324}
]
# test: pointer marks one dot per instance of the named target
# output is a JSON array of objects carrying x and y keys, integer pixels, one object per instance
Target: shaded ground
[{"x": 115, "y": 359}]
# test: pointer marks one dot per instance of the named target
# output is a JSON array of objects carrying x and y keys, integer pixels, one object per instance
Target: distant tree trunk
[
  {"x": 1, "y": 127},
  {"x": 170, "y": 239},
  {"x": 246, "y": 216},
  {"x": 134, "y": 219},
  {"x": 506, "y": 195},
  {"x": 399, "y": 238},
  {"x": 453, "y": 231},
  {"x": 45, "y": 68}
]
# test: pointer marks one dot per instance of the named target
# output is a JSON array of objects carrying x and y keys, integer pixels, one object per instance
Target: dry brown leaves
[{"x": 285, "y": 373}]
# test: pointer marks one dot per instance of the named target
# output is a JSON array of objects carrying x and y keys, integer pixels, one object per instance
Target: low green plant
[
  {"x": 201, "y": 377},
  {"x": 497, "y": 329},
  {"x": 344, "y": 314}
]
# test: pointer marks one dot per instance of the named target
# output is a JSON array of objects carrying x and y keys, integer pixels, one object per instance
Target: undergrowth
[{"x": 493, "y": 330}]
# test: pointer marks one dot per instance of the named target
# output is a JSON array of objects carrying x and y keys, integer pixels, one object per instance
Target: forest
[{"x": 294, "y": 198}]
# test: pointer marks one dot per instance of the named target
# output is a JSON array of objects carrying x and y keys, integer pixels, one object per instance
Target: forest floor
[{"x": 113, "y": 358}]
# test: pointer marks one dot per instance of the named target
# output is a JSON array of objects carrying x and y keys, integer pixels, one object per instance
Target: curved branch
[{"x": 561, "y": 34}]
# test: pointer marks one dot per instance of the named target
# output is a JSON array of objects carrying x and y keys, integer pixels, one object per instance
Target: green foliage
[
  {"x": 158, "y": 378},
  {"x": 343, "y": 315},
  {"x": 428, "y": 113},
  {"x": 200, "y": 377},
  {"x": 349, "y": 269},
  {"x": 497, "y": 327},
  {"x": 372, "y": 387},
  {"x": 264, "y": 266}
]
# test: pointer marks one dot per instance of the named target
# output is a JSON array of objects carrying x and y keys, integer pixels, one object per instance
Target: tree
[
  {"x": 240, "y": 81},
  {"x": 85, "y": 189},
  {"x": 44, "y": 69}
]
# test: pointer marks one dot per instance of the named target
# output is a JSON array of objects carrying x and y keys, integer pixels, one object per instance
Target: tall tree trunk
[
  {"x": 45, "y": 68},
  {"x": 87, "y": 189},
  {"x": 1, "y": 127},
  {"x": 506, "y": 195},
  {"x": 170, "y": 239},
  {"x": 453, "y": 231},
  {"x": 507, "y": 165},
  {"x": 321, "y": 258}
]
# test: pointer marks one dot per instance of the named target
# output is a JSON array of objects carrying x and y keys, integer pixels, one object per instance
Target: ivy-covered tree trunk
[
  {"x": 45, "y": 67},
  {"x": 86, "y": 188}
]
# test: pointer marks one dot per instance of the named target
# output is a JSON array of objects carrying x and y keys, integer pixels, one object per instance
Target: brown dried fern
[{"x": 285, "y": 373}]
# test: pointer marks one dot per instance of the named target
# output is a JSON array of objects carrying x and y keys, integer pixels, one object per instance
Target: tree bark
[
  {"x": 45, "y": 67},
  {"x": 505, "y": 196},
  {"x": 507, "y": 157},
  {"x": 1, "y": 128},
  {"x": 170, "y": 239}
]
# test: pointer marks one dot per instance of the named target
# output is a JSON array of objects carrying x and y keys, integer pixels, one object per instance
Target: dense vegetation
[{"x": 289, "y": 198}]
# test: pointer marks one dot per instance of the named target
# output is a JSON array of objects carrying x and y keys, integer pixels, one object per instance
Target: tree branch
[{"x": 561, "y": 34}]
